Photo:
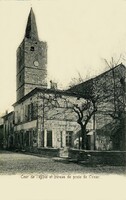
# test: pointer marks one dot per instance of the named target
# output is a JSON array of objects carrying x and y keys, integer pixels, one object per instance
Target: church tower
[{"x": 31, "y": 60}]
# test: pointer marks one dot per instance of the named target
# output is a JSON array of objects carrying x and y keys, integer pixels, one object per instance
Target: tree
[
  {"x": 85, "y": 111},
  {"x": 54, "y": 106},
  {"x": 104, "y": 94},
  {"x": 119, "y": 103},
  {"x": 72, "y": 106},
  {"x": 87, "y": 107}
]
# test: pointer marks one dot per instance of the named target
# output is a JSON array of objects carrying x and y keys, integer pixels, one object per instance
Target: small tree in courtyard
[
  {"x": 85, "y": 111},
  {"x": 87, "y": 107},
  {"x": 118, "y": 90}
]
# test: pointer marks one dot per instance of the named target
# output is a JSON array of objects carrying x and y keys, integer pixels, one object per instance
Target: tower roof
[{"x": 31, "y": 28}]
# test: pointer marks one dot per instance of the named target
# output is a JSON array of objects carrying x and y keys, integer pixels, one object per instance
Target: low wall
[
  {"x": 99, "y": 157},
  {"x": 51, "y": 152},
  {"x": 48, "y": 152}
]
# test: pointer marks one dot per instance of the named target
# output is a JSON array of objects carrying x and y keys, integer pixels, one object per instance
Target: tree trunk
[{"x": 84, "y": 136}]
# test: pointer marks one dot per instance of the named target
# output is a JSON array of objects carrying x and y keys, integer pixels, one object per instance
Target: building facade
[
  {"x": 8, "y": 131},
  {"x": 42, "y": 117},
  {"x": 109, "y": 92},
  {"x": 45, "y": 118}
]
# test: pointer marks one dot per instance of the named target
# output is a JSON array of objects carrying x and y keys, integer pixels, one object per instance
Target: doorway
[{"x": 49, "y": 138}]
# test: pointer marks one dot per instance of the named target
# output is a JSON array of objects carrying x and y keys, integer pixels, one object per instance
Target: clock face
[{"x": 36, "y": 63}]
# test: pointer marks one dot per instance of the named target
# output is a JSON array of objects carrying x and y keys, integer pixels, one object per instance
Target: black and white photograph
[{"x": 63, "y": 97}]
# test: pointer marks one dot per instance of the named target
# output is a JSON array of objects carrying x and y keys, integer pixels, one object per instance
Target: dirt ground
[{"x": 18, "y": 163}]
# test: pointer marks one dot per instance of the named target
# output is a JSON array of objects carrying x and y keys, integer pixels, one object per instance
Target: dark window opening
[
  {"x": 61, "y": 135},
  {"x": 20, "y": 78},
  {"x": 27, "y": 134},
  {"x": 122, "y": 81},
  {"x": 69, "y": 138},
  {"x": 49, "y": 138},
  {"x": 32, "y": 49}
]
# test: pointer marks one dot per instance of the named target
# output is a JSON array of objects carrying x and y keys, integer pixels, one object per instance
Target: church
[
  {"x": 44, "y": 119},
  {"x": 41, "y": 116}
]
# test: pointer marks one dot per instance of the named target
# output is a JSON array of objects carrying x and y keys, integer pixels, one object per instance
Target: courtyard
[{"x": 12, "y": 163}]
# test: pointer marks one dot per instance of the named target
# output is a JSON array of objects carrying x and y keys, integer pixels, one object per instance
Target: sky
[{"x": 80, "y": 34}]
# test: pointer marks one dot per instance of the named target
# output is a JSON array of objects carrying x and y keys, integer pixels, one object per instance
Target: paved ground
[{"x": 17, "y": 163}]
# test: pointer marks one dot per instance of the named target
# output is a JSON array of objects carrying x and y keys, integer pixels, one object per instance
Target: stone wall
[
  {"x": 54, "y": 116},
  {"x": 31, "y": 66},
  {"x": 42, "y": 152},
  {"x": 26, "y": 111},
  {"x": 57, "y": 115},
  {"x": 110, "y": 86},
  {"x": 99, "y": 157},
  {"x": 1, "y": 136},
  {"x": 109, "y": 89},
  {"x": 8, "y": 131}
]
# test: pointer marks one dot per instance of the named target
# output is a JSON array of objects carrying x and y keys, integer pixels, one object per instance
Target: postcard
[{"x": 62, "y": 105}]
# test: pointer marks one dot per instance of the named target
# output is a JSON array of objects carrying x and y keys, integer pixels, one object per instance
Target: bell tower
[{"x": 31, "y": 60}]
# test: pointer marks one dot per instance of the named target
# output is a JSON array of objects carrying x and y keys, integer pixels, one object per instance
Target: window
[
  {"x": 34, "y": 110},
  {"x": 34, "y": 138},
  {"x": 30, "y": 106},
  {"x": 31, "y": 138},
  {"x": 20, "y": 78},
  {"x": 31, "y": 111},
  {"x": 27, "y": 138},
  {"x": 32, "y": 48},
  {"x": 49, "y": 138},
  {"x": 61, "y": 137},
  {"x": 69, "y": 138},
  {"x": 26, "y": 112}
]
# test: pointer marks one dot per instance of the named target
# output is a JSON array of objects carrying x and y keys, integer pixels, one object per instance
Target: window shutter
[{"x": 26, "y": 112}]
